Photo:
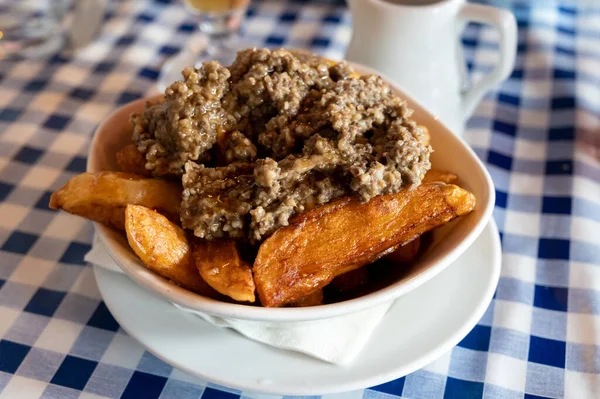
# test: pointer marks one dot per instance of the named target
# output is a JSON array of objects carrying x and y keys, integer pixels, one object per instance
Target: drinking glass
[
  {"x": 219, "y": 23},
  {"x": 31, "y": 28}
]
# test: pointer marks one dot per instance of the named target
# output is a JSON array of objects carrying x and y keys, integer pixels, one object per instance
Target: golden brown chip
[
  {"x": 221, "y": 266},
  {"x": 344, "y": 235},
  {"x": 314, "y": 299},
  {"x": 130, "y": 160},
  {"x": 434, "y": 175},
  {"x": 405, "y": 253},
  {"x": 164, "y": 248},
  {"x": 103, "y": 196}
]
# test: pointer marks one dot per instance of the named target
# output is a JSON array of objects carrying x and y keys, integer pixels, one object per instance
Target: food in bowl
[{"x": 293, "y": 172}]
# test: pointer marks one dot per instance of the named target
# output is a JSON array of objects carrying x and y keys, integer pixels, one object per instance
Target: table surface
[{"x": 539, "y": 135}]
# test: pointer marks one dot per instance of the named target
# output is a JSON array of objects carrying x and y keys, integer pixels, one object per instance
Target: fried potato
[
  {"x": 164, "y": 248},
  {"x": 434, "y": 175},
  {"x": 336, "y": 238},
  {"x": 405, "y": 253},
  {"x": 221, "y": 266},
  {"x": 314, "y": 299},
  {"x": 130, "y": 160},
  {"x": 103, "y": 196}
]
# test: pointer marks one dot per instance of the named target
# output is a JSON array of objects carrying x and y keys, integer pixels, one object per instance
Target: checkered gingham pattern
[{"x": 539, "y": 135}]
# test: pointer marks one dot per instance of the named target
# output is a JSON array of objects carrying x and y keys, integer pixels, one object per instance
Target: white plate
[{"x": 420, "y": 327}]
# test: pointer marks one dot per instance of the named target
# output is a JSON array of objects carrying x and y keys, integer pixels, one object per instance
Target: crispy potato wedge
[
  {"x": 333, "y": 239},
  {"x": 434, "y": 175},
  {"x": 130, "y": 160},
  {"x": 220, "y": 265},
  {"x": 164, "y": 248},
  {"x": 314, "y": 299},
  {"x": 405, "y": 253},
  {"x": 102, "y": 197}
]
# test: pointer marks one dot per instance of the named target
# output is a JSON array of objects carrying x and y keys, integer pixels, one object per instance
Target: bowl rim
[{"x": 188, "y": 300}]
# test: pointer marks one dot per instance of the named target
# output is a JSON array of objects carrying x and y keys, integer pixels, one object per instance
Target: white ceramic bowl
[{"x": 450, "y": 153}]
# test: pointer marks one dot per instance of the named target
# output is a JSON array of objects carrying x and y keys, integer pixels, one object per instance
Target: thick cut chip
[
  {"x": 164, "y": 248},
  {"x": 435, "y": 175},
  {"x": 221, "y": 266},
  {"x": 405, "y": 253},
  {"x": 130, "y": 160},
  {"x": 102, "y": 197},
  {"x": 344, "y": 235}
]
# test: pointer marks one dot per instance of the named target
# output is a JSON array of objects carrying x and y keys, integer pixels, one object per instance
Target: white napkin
[{"x": 336, "y": 340}]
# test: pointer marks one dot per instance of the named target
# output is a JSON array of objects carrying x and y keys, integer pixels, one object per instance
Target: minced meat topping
[{"x": 274, "y": 134}]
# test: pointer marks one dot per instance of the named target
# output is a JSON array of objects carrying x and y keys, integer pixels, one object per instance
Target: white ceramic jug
[{"x": 416, "y": 44}]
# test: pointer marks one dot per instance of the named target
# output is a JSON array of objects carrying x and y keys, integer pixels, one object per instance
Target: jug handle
[{"x": 504, "y": 22}]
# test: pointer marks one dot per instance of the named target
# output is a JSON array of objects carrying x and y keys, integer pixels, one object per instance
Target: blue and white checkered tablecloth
[{"x": 539, "y": 134}]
